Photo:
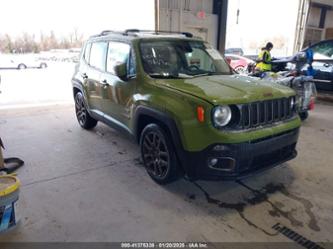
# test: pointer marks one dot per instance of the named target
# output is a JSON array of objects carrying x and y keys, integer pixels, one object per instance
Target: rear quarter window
[
  {"x": 86, "y": 53},
  {"x": 98, "y": 55}
]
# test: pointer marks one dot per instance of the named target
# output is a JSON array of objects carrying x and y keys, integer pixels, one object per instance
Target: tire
[
  {"x": 158, "y": 154},
  {"x": 240, "y": 69},
  {"x": 21, "y": 66},
  {"x": 304, "y": 115},
  {"x": 82, "y": 115},
  {"x": 43, "y": 65}
]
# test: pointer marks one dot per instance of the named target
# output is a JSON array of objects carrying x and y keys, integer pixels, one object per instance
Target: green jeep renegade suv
[{"x": 179, "y": 99}]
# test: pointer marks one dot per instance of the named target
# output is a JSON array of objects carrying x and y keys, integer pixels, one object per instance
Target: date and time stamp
[{"x": 163, "y": 245}]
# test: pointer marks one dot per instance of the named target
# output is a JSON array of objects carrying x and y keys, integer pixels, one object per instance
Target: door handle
[
  {"x": 84, "y": 76},
  {"x": 326, "y": 65}
]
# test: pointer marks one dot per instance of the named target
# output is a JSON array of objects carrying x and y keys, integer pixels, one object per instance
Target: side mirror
[{"x": 120, "y": 70}]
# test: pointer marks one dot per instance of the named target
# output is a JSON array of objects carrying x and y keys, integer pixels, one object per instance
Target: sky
[
  {"x": 63, "y": 16},
  {"x": 260, "y": 20}
]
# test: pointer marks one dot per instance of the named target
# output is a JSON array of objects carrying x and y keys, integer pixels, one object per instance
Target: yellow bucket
[{"x": 9, "y": 196}]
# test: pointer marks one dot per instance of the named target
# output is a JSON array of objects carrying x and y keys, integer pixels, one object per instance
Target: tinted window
[
  {"x": 198, "y": 58},
  {"x": 181, "y": 59},
  {"x": 323, "y": 50},
  {"x": 118, "y": 53},
  {"x": 98, "y": 55}
]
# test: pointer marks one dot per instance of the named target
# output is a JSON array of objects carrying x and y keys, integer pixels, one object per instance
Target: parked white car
[{"x": 20, "y": 62}]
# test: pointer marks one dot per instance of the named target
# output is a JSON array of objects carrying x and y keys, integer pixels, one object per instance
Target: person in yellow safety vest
[{"x": 264, "y": 61}]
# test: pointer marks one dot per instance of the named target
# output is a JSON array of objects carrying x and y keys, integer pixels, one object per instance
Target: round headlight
[{"x": 221, "y": 115}]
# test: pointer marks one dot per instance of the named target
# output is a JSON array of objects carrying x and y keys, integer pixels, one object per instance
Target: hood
[{"x": 228, "y": 89}]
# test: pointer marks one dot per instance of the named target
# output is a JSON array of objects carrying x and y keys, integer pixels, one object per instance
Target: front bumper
[{"x": 237, "y": 161}]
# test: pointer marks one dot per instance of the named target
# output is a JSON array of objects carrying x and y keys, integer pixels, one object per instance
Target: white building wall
[
  {"x": 314, "y": 17},
  {"x": 329, "y": 19},
  {"x": 188, "y": 5},
  {"x": 313, "y": 32},
  {"x": 182, "y": 15}
]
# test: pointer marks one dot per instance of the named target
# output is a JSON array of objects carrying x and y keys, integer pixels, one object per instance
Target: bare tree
[
  {"x": 27, "y": 43},
  {"x": 6, "y": 44}
]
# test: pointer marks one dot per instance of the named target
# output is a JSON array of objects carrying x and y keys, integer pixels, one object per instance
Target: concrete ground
[
  {"x": 35, "y": 87},
  {"x": 82, "y": 185}
]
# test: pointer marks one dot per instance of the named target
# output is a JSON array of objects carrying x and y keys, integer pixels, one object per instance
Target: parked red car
[{"x": 237, "y": 62}]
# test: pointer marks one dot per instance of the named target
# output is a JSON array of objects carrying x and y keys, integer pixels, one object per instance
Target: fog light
[
  {"x": 212, "y": 162},
  {"x": 222, "y": 163}
]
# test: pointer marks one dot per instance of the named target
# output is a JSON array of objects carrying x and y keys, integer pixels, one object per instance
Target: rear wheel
[
  {"x": 158, "y": 155},
  {"x": 21, "y": 66},
  {"x": 82, "y": 115},
  {"x": 43, "y": 65}
]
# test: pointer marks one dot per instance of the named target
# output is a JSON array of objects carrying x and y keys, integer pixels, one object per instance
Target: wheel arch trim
[{"x": 166, "y": 120}]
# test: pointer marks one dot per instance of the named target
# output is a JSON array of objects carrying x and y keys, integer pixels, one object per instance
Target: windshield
[{"x": 181, "y": 59}]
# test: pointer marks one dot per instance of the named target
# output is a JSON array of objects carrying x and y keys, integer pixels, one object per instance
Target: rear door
[{"x": 92, "y": 74}]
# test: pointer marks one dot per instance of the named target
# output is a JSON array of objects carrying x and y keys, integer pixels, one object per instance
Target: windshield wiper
[
  {"x": 169, "y": 76},
  {"x": 209, "y": 74}
]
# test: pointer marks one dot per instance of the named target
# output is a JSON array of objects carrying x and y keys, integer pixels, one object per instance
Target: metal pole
[
  {"x": 157, "y": 15},
  {"x": 223, "y": 33},
  {"x": 180, "y": 15},
  {"x": 221, "y": 9}
]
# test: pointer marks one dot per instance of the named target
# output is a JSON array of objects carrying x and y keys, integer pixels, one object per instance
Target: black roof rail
[
  {"x": 157, "y": 32},
  {"x": 105, "y": 32},
  {"x": 134, "y": 31}
]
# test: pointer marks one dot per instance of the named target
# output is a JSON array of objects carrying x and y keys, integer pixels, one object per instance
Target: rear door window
[{"x": 98, "y": 55}]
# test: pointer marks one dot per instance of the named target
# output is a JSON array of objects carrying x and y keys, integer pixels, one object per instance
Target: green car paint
[
  {"x": 180, "y": 98},
  {"x": 119, "y": 99}
]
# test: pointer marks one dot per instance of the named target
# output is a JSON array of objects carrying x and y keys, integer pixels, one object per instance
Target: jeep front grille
[{"x": 265, "y": 112}]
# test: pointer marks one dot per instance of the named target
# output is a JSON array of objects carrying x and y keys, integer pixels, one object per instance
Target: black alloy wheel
[
  {"x": 158, "y": 154},
  {"x": 82, "y": 115}
]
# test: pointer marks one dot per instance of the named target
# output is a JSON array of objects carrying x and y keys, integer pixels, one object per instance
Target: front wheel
[
  {"x": 21, "y": 66},
  {"x": 82, "y": 115},
  {"x": 240, "y": 70},
  {"x": 304, "y": 115},
  {"x": 158, "y": 155}
]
